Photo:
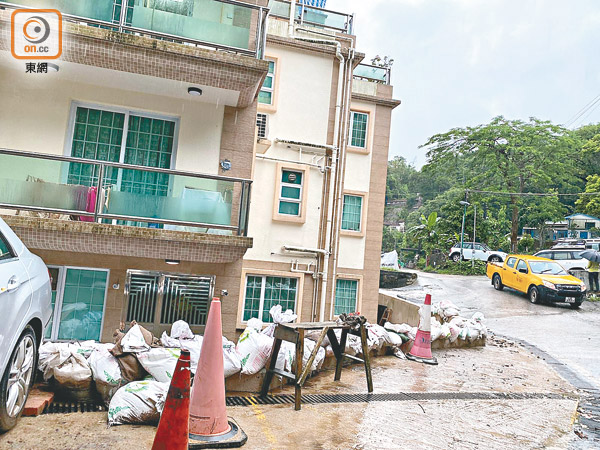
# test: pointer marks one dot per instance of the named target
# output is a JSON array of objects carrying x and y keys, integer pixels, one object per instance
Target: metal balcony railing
[
  {"x": 312, "y": 15},
  {"x": 101, "y": 191},
  {"x": 376, "y": 74},
  {"x": 220, "y": 24}
]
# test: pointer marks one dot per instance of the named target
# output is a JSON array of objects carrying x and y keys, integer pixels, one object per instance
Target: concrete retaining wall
[{"x": 403, "y": 311}]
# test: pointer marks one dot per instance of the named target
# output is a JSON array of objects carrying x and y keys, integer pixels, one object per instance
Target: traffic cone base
[{"x": 234, "y": 438}]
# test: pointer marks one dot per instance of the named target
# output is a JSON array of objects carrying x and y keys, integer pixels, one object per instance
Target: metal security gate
[{"x": 157, "y": 299}]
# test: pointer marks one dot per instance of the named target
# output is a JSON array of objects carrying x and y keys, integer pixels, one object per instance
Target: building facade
[{"x": 178, "y": 150}]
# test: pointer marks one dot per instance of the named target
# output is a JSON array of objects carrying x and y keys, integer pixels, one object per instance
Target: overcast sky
[{"x": 462, "y": 62}]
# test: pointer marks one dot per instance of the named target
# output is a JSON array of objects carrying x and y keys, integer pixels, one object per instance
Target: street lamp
[
  {"x": 474, "y": 232},
  {"x": 462, "y": 231}
]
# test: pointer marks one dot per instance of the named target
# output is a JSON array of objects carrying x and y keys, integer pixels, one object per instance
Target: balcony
[
  {"x": 219, "y": 24},
  {"x": 96, "y": 207},
  {"x": 112, "y": 193},
  {"x": 312, "y": 16},
  {"x": 373, "y": 74}
]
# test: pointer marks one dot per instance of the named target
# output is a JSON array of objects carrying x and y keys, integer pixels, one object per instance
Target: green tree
[
  {"x": 509, "y": 156},
  {"x": 590, "y": 204},
  {"x": 427, "y": 233}
]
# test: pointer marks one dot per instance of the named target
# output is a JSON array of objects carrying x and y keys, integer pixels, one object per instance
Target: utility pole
[
  {"x": 474, "y": 231},
  {"x": 462, "y": 230}
]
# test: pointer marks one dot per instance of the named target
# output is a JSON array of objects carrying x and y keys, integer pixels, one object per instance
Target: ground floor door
[
  {"x": 78, "y": 299},
  {"x": 157, "y": 299}
]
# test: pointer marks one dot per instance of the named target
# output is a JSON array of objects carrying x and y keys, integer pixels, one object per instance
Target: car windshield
[{"x": 546, "y": 267}]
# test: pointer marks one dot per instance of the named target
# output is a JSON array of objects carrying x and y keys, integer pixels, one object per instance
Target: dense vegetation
[{"x": 506, "y": 159}]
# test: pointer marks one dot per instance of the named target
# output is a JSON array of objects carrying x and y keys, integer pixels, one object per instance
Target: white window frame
[
  {"x": 352, "y": 114},
  {"x": 360, "y": 221},
  {"x": 263, "y": 286},
  {"x": 273, "y": 79},
  {"x": 300, "y": 186}
]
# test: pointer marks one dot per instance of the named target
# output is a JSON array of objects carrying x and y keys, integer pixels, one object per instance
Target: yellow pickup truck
[{"x": 543, "y": 280}]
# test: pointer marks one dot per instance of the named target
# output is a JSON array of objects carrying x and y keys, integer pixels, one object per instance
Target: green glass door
[
  {"x": 54, "y": 280},
  {"x": 82, "y": 304}
]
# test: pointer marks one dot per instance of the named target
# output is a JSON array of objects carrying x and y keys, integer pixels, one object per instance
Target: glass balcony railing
[
  {"x": 311, "y": 15},
  {"x": 90, "y": 191},
  {"x": 221, "y": 24},
  {"x": 375, "y": 74}
]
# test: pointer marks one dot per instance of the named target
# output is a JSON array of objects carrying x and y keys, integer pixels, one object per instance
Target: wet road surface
[{"x": 570, "y": 336}]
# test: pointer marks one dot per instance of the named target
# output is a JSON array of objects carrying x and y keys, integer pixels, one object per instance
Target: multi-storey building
[{"x": 180, "y": 148}]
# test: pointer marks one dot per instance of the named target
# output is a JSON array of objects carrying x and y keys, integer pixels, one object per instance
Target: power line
[
  {"x": 531, "y": 194},
  {"x": 592, "y": 104}
]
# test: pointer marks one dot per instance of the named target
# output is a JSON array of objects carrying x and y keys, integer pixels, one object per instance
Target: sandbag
[
  {"x": 160, "y": 362},
  {"x": 231, "y": 360},
  {"x": 253, "y": 347},
  {"x": 106, "y": 372},
  {"x": 278, "y": 316},
  {"x": 137, "y": 403}
]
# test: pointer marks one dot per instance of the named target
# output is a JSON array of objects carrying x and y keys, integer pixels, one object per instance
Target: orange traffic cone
[
  {"x": 421, "y": 349},
  {"x": 173, "y": 427},
  {"x": 209, "y": 424}
]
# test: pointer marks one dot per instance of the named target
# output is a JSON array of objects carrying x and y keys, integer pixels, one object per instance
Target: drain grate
[
  {"x": 73, "y": 407},
  {"x": 395, "y": 397}
]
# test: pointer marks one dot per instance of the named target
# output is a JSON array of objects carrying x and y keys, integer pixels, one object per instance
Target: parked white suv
[
  {"x": 569, "y": 258},
  {"x": 25, "y": 309},
  {"x": 478, "y": 251}
]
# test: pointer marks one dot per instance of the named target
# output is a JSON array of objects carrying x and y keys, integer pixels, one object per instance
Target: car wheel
[
  {"x": 17, "y": 379},
  {"x": 534, "y": 295},
  {"x": 575, "y": 305},
  {"x": 495, "y": 259},
  {"x": 497, "y": 281},
  {"x": 456, "y": 257}
]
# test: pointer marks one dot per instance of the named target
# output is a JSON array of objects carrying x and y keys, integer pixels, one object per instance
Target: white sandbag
[
  {"x": 436, "y": 329},
  {"x": 286, "y": 356},
  {"x": 160, "y": 362},
  {"x": 394, "y": 339},
  {"x": 447, "y": 309},
  {"x": 309, "y": 346},
  {"x": 231, "y": 359},
  {"x": 377, "y": 336},
  {"x": 445, "y": 331},
  {"x": 454, "y": 331},
  {"x": 412, "y": 334},
  {"x": 105, "y": 371},
  {"x": 278, "y": 317},
  {"x": 181, "y": 330},
  {"x": 253, "y": 347},
  {"x": 353, "y": 345},
  {"x": 63, "y": 358},
  {"x": 478, "y": 317},
  {"x": 74, "y": 372},
  {"x": 403, "y": 328},
  {"x": 138, "y": 402},
  {"x": 134, "y": 341}
]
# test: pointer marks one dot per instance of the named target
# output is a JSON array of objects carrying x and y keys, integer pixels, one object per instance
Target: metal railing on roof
[
  {"x": 228, "y": 25},
  {"x": 109, "y": 192},
  {"x": 376, "y": 74},
  {"x": 312, "y": 15}
]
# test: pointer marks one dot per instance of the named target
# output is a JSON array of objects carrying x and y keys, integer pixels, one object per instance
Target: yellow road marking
[{"x": 264, "y": 425}]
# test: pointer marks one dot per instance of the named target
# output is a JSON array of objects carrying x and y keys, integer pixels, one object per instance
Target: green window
[
  {"x": 352, "y": 213},
  {"x": 346, "y": 296},
  {"x": 358, "y": 129},
  {"x": 96, "y": 135},
  {"x": 150, "y": 144},
  {"x": 290, "y": 195},
  {"x": 263, "y": 292},
  {"x": 265, "y": 95}
]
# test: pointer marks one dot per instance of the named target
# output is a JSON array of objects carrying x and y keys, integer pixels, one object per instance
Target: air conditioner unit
[{"x": 262, "y": 122}]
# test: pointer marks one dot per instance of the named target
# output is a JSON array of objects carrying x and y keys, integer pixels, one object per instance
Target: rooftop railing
[
  {"x": 376, "y": 74},
  {"x": 220, "y": 24},
  {"x": 312, "y": 15},
  {"x": 124, "y": 194}
]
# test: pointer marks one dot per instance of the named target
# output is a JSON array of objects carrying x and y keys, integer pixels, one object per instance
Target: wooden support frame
[{"x": 295, "y": 333}]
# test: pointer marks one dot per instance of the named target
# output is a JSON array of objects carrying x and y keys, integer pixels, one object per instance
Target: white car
[
  {"x": 25, "y": 309},
  {"x": 569, "y": 258},
  {"x": 478, "y": 251}
]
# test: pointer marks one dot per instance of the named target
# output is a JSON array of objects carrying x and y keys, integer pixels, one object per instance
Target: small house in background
[{"x": 580, "y": 225}]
